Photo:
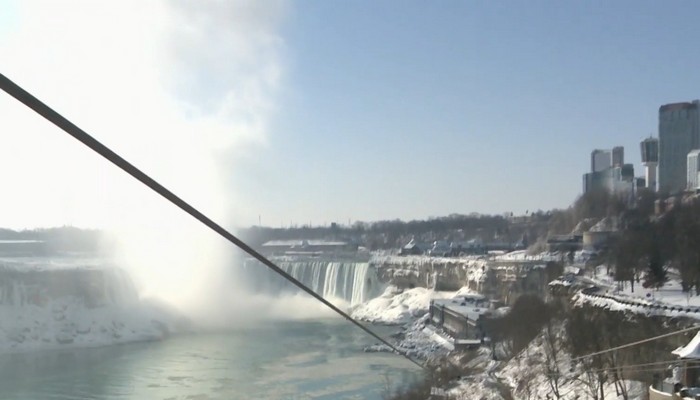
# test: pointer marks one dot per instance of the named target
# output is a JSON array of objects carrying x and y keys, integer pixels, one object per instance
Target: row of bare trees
[
  {"x": 649, "y": 245},
  {"x": 582, "y": 331},
  {"x": 591, "y": 330},
  {"x": 561, "y": 334}
]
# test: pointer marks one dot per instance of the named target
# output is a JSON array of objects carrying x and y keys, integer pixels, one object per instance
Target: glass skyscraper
[{"x": 679, "y": 134}]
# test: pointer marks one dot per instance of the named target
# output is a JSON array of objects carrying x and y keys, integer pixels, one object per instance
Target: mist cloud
[
  {"x": 178, "y": 88},
  {"x": 174, "y": 86}
]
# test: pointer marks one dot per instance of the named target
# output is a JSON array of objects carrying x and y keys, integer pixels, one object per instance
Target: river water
[{"x": 309, "y": 359}]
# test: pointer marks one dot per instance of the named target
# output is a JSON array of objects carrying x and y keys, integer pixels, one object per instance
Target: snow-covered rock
[
  {"x": 606, "y": 224},
  {"x": 397, "y": 306}
]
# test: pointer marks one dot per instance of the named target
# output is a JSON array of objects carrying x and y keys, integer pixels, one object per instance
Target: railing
[
  {"x": 590, "y": 292},
  {"x": 453, "y": 323},
  {"x": 657, "y": 394},
  {"x": 665, "y": 391}
]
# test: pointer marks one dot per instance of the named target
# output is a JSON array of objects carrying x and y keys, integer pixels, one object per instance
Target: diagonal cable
[
  {"x": 57, "y": 119},
  {"x": 637, "y": 343}
]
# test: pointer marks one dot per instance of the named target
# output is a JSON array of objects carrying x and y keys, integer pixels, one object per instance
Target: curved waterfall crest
[{"x": 351, "y": 281}]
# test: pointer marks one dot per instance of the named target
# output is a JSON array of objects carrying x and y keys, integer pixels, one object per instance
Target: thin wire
[
  {"x": 656, "y": 363},
  {"x": 636, "y": 366},
  {"x": 645, "y": 367},
  {"x": 695, "y": 327},
  {"x": 57, "y": 119},
  {"x": 624, "y": 369}
]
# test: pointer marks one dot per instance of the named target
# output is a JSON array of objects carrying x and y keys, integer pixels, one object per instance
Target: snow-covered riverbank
[{"x": 49, "y": 305}]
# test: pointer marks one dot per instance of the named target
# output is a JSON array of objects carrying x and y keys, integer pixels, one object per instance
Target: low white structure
[
  {"x": 693, "y": 169},
  {"x": 685, "y": 383}
]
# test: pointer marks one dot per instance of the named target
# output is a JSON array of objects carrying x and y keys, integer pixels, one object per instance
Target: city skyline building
[
  {"x": 679, "y": 134},
  {"x": 650, "y": 160},
  {"x": 601, "y": 160},
  {"x": 609, "y": 172},
  {"x": 618, "y": 156}
]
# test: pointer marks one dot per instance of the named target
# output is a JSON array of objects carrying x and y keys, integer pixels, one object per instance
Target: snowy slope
[
  {"x": 526, "y": 377},
  {"x": 669, "y": 300}
]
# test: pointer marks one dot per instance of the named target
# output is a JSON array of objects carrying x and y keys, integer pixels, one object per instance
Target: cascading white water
[
  {"x": 38, "y": 284},
  {"x": 51, "y": 303},
  {"x": 353, "y": 282}
]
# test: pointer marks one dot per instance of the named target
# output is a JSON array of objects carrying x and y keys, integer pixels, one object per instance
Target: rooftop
[
  {"x": 679, "y": 106},
  {"x": 301, "y": 243},
  {"x": 471, "y": 306},
  {"x": 690, "y": 350}
]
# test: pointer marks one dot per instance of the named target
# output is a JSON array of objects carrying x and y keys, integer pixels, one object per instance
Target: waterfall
[
  {"x": 55, "y": 302},
  {"x": 23, "y": 284},
  {"x": 353, "y": 282},
  {"x": 118, "y": 287}
]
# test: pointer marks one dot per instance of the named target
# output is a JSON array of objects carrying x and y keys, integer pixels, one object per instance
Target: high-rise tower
[
  {"x": 650, "y": 160},
  {"x": 679, "y": 133},
  {"x": 618, "y": 156},
  {"x": 601, "y": 160},
  {"x": 609, "y": 172}
]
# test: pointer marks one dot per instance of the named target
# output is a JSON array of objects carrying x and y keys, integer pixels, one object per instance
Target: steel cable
[{"x": 70, "y": 128}]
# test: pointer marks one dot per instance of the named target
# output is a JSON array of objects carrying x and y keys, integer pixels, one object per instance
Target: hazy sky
[{"x": 323, "y": 111}]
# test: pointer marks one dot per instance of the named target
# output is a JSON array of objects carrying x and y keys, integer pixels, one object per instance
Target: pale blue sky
[
  {"x": 400, "y": 109},
  {"x": 384, "y": 109}
]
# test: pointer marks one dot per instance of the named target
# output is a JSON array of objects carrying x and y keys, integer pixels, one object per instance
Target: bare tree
[
  {"x": 582, "y": 341},
  {"x": 552, "y": 349},
  {"x": 687, "y": 255}
]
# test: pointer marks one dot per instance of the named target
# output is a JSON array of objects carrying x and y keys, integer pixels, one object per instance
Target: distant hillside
[
  {"x": 396, "y": 233},
  {"x": 59, "y": 239}
]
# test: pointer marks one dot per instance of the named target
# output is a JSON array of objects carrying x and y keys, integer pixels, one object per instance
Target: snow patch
[{"x": 398, "y": 307}]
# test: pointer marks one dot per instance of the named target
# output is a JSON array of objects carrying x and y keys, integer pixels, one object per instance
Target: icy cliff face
[
  {"x": 45, "y": 304},
  {"x": 431, "y": 272}
]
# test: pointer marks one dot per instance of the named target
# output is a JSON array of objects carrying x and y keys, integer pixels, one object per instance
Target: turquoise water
[{"x": 317, "y": 359}]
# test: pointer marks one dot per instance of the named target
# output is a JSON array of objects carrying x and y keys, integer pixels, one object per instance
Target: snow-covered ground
[
  {"x": 525, "y": 375},
  {"x": 416, "y": 338},
  {"x": 55, "y": 304},
  {"x": 397, "y": 306},
  {"x": 670, "y": 293},
  {"x": 522, "y": 255},
  {"x": 669, "y": 300},
  {"x": 580, "y": 256},
  {"x": 382, "y": 258}
]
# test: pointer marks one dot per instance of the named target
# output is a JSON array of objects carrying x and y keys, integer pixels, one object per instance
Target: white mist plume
[{"x": 176, "y": 87}]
